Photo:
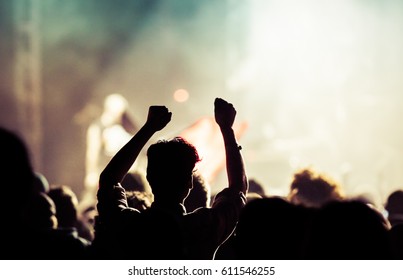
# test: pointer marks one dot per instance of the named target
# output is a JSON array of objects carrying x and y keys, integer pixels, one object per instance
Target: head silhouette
[
  {"x": 313, "y": 189},
  {"x": 394, "y": 206},
  {"x": 349, "y": 230},
  {"x": 170, "y": 169},
  {"x": 270, "y": 228},
  {"x": 66, "y": 203},
  {"x": 17, "y": 176}
]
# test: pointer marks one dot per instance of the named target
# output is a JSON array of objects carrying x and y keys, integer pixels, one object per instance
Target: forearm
[
  {"x": 120, "y": 164},
  {"x": 234, "y": 162}
]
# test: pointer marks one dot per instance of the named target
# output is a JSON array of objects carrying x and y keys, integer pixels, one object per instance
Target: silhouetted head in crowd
[
  {"x": 41, "y": 184},
  {"x": 394, "y": 206},
  {"x": 270, "y": 228},
  {"x": 313, "y": 189},
  {"x": 349, "y": 230},
  {"x": 138, "y": 191},
  {"x": 39, "y": 213},
  {"x": 135, "y": 181},
  {"x": 256, "y": 187},
  {"x": 17, "y": 176},
  {"x": 86, "y": 223},
  {"x": 66, "y": 205},
  {"x": 170, "y": 169},
  {"x": 255, "y": 190},
  {"x": 199, "y": 195}
]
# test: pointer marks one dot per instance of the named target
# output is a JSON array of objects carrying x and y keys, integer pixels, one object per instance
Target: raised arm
[
  {"x": 225, "y": 115},
  {"x": 117, "y": 168}
]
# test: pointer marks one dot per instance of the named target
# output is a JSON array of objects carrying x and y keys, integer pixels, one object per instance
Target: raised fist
[
  {"x": 224, "y": 113},
  {"x": 158, "y": 117}
]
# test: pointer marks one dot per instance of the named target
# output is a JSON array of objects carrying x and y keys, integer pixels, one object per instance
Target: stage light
[{"x": 181, "y": 95}]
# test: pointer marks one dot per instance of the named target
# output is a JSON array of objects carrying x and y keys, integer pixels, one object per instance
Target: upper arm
[{"x": 226, "y": 207}]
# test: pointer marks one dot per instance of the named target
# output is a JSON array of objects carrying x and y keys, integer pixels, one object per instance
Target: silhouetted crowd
[{"x": 168, "y": 213}]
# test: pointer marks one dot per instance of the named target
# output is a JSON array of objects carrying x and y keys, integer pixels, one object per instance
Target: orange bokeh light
[{"x": 181, "y": 95}]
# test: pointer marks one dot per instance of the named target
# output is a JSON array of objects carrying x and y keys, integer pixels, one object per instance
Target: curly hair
[{"x": 313, "y": 189}]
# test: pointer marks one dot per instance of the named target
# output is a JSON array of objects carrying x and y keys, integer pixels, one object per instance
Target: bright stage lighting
[{"x": 323, "y": 89}]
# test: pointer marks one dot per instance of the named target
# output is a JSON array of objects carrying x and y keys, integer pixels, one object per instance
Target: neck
[{"x": 170, "y": 206}]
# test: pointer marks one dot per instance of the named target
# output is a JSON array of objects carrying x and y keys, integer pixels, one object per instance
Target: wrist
[
  {"x": 226, "y": 128},
  {"x": 148, "y": 127}
]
